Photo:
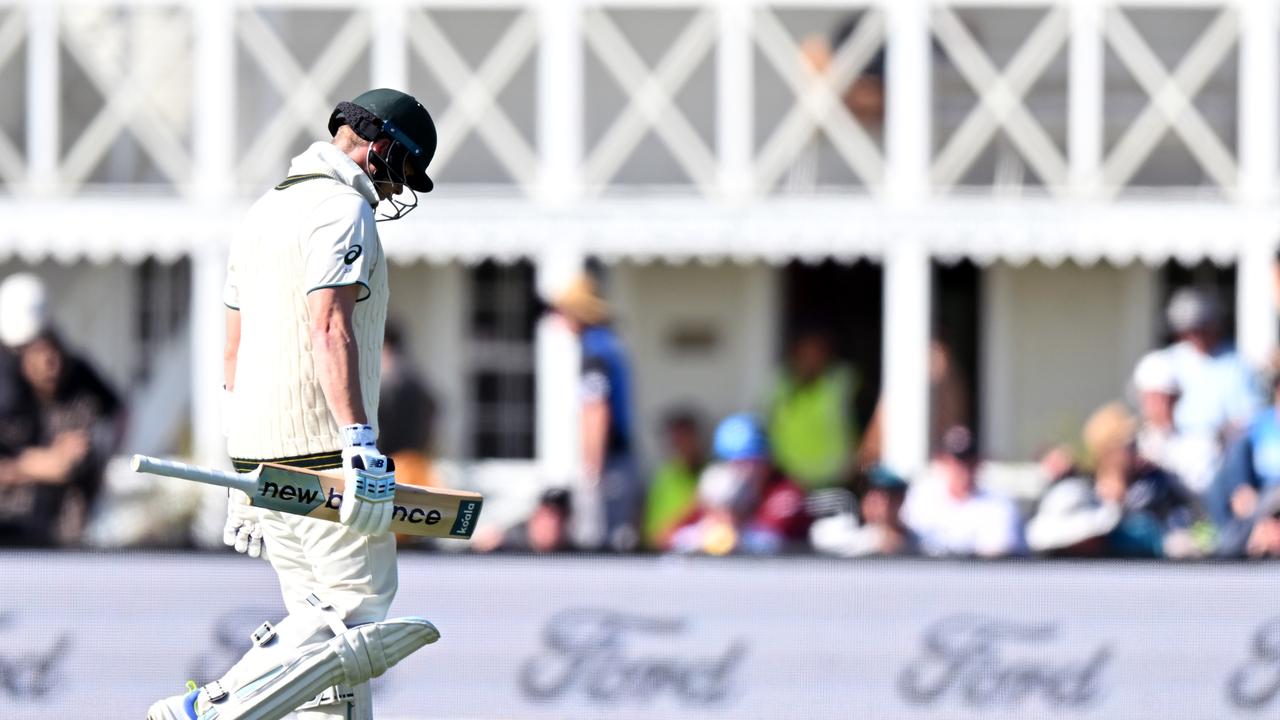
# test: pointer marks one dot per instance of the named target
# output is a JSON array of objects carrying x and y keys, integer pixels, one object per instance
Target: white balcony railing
[{"x": 566, "y": 101}]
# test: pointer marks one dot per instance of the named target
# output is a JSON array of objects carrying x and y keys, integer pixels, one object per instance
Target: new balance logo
[{"x": 306, "y": 496}]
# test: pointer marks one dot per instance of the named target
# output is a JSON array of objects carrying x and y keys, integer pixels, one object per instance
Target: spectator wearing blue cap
[{"x": 744, "y": 504}]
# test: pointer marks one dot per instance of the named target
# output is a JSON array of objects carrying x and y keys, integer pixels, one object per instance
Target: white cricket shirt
[{"x": 307, "y": 233}]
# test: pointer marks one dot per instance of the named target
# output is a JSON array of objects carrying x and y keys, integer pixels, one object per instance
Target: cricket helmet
[{"x": 384, "y": 112}]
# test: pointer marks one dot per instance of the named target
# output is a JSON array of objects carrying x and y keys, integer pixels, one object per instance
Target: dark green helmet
[{"x": 399, "y": 116}]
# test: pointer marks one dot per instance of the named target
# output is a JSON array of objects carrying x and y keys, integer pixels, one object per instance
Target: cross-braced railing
[
  {"x": 1001, "y": 94},
  {"x": 473, "y": 106},
  {"x": 818, "y": 109},
  {"x": 651, "y": 105},
  {"x": 13, "y": 26},
  {"x": 96, "y": 76},
  {"x": 1170, "y": 97},
  {"x": 740, "y": 144},
  {"x": 306, "y": 91}
]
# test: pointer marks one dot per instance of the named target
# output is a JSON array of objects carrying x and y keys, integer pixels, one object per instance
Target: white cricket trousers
[{"x": 354, "y": 573}]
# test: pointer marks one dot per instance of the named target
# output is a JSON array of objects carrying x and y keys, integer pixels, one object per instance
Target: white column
[
  {"x": 907, "y": 112},
  {"x": 1259, "y": 100},
  {"x": 1084, "y": 145},
  {"x": 214, "y": 178},
  {"x": 208, "y": 323},
  {"x": 43, "y": 83},
  {"x": 560, "y": 98},
  {"x": 1259, "y": 113},
  {"x": 560, "y": 81},
  {"x": 905, "y": 372},
  {"x": 389, "y": 66},
  {"x": 558, "y": 437},
  {"x": 1256, "y": 297},
  {"x": 735, "y": 101},
  {"x": 907, "y": 275},
  {"x": 214, "y": 102}
]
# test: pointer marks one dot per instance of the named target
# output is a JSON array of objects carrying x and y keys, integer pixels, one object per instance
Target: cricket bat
[{"x": 418, "y": 511}]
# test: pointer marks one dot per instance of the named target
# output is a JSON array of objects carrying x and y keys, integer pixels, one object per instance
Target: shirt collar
[{"x": 323, "y": 157}]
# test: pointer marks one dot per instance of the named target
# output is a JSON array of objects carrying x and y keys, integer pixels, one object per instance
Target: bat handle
[{"x": 183, "y": 471}]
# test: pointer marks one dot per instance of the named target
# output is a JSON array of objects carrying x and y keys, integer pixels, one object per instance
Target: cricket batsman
[{"x": 306, "y": 298}]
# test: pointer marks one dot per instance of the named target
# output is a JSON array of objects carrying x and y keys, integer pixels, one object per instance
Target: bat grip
[{"x": 183, "y": 471}]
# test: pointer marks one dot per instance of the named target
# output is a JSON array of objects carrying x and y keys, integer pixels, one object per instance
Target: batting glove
[
  {"x": 242, "y": 531},
  {"x": 367, "y": 501}
]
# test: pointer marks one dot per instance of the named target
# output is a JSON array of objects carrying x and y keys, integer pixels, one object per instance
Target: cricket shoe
[{"x": 176, "y": 707}]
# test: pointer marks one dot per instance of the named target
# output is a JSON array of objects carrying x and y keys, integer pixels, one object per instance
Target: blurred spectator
[
  {"x": 1263, "y": 538},
  {"x": 406, "y": 414},
  {"x": 745, "y": 505},
  {"x": 1157, "y": 511},
  {"x": 1218, "y": 395},
  {"x": 948, "y": 405},
  {"x": 1057, "y": 463},
  {"x": 882, "y": 531},
  {"x": 605, "y": 394},
  {"x": 812, "y": 428},
  {"x": 673, "y": 493},
  {"x": 1072, "y": 521},
  {"x": 864, "y": 97},
  {"x": 952, "y": 515},
  {"x": 546, "y": 530},
  {"x": 59, "y": 426},
  {"x": 1250, "y": 470},
  {"x": 1192, "y": 457}
]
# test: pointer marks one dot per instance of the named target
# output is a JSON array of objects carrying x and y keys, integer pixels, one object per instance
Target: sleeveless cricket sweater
[{"x": 314, "y": 230}]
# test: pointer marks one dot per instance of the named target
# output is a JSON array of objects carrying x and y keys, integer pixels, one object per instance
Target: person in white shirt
[
  {"x": 1190, "y": 456},
  {"x": 1218, "y": 393},
  {"x": 951, "y": 515}
]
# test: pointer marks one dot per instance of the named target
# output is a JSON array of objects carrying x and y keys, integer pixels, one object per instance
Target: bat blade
[{"x": 426, "y": 512}]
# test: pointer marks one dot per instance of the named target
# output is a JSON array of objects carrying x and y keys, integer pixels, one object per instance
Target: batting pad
[{"x": 353, "y": 657}]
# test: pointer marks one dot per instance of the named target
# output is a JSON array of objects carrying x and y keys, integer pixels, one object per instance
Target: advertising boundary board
[{"x": 102, "y": 635}]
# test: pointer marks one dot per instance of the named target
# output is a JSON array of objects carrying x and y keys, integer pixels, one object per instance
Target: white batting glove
[
  {"x": 370, "y": 479},
  {"x": 242, "y": 531}
]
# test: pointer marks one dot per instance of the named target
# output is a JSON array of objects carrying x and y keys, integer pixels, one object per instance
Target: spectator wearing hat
[
  {"x": 59, "y": 424},
  {"x": 673, "y": 492},
  {"x": 951, "y": 515},
  {"x": 1157, "y": 512},
  {"x": 744, "y": 504},
  {"x": 1217, "y": 392},
  {"x": 1191, "y": 457},
  {"x": 605, "y": 395},
  {"x": 881, "y": 532}
]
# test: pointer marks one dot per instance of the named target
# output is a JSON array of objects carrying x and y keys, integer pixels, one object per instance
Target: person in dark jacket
[{"x": 605, "y": 394}]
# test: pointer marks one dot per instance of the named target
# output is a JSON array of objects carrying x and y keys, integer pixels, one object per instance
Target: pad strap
[{"x": 331, "y": 616}]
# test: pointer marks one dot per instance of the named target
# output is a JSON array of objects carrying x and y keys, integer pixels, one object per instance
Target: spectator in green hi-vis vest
[
  {"x": 673, "y": 492},
  {"x": 812, "y": 429}
]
